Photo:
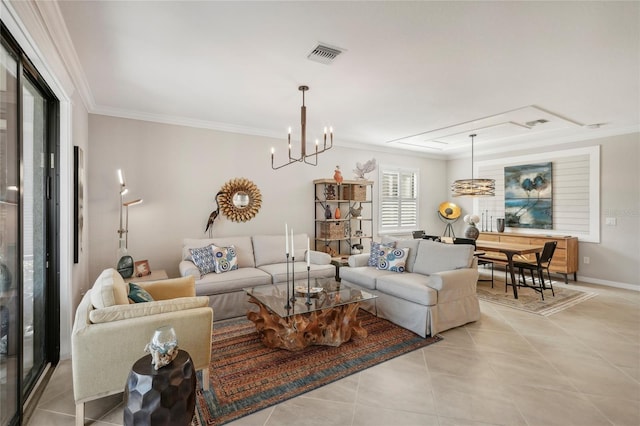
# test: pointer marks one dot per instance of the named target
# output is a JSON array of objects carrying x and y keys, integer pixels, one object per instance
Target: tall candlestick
[
  {"x": 308, "y": 254},
  {"x": 286, "y": 239},
  {"x": 293, "y": 251}
]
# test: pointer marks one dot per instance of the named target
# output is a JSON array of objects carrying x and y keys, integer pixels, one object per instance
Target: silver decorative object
[{"x": 163, "y": 346}]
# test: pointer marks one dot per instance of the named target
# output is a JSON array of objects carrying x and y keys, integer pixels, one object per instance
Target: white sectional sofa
[
  {"x": 436, "y": 291},
  {"x": 261, "y": 260}
]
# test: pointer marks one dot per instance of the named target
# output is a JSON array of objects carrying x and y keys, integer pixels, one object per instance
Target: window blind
[{"x": 398, "y": 200}]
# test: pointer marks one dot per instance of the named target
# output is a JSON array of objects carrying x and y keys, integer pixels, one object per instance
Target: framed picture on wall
[
  {"x": 528, "y": 196},
  {"x": 78, "y": 202}
]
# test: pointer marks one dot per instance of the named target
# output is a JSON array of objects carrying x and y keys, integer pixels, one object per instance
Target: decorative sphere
[{"x": 471, "y": 232}]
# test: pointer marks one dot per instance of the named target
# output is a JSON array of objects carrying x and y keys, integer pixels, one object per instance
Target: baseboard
[
  {"x": 598, "y": 281},
  {"x": 608, "y": 283}
]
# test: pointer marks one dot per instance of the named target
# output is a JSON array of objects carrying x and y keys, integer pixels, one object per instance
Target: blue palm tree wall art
[{"x": 528, "y": 196}]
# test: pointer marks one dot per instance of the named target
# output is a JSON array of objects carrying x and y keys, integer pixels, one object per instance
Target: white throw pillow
[{"x": 109, "y": 290}]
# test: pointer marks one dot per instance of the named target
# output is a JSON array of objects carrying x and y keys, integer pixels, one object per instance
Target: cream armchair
[{"x": 109, "y": 334}]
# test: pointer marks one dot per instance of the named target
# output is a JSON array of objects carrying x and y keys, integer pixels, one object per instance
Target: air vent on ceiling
[
  {"x": 536, "y": 122},
  {"x": 324, "y": 54}
]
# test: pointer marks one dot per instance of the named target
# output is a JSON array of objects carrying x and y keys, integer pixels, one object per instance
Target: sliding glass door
[
  {"x": 9, "y": 250},
  {"x": 34, "y": 246},
  {"x": 29, "y": 323}
]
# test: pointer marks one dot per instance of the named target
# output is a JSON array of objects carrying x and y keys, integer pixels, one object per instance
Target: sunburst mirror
[{"x": 240, "y": 199}]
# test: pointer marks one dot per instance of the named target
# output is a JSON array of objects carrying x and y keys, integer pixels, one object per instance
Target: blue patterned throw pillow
[
  {"x": 393, "y": 259},
  {"x": 225, "y": 258},
  {"x": 203, "y": 258},
  {"x": 138, "y": 294},
  {"x": 376, "y": 252}
]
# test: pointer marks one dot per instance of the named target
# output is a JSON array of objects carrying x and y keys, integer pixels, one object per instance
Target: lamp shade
[{"x": 474, "y": 188}]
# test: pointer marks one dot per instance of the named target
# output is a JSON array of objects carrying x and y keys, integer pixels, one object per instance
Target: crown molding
[
  {"x": 243, "y": 130},
  {"x": 59, "y": 34},
  {"x": 182, "y": 121}
]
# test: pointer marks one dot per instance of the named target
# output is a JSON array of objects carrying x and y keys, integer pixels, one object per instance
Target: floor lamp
[
  {"x": 125, "y": 262},
  {"x": 126, "y": 223}
]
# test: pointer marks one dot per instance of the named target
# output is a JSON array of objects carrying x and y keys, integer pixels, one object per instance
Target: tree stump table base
[{"x": 331, "y": 327}]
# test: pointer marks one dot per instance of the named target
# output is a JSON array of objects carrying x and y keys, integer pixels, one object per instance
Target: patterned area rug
[
  {"x": 246, "y": 376},
  {"x": 529, "y": 300}
]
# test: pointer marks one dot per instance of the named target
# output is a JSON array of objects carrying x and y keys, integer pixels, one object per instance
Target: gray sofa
[
  {"x": 436, "y": 292},
  {"x": 261, "y": 261}
]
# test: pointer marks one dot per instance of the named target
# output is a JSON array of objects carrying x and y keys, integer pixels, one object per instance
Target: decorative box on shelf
[
  {"x": 332, "y": 230},
  {"x": 354, "y": 192}
]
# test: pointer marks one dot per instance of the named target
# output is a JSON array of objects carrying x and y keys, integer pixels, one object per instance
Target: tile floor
[{"x": 580, "y": 366}]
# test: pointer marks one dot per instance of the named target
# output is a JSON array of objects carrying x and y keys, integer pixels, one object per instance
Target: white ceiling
[{"x": 413, "y": 75}]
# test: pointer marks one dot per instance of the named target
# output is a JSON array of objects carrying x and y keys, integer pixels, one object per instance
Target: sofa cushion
[
  {"x": 436, "y": 257},
  {"x": 170, "y": 288},
  {"x": 203, "y": 258},
  {"x": 225, "y": 259},
  {"x": 393, "y": 259},
  {"x": 278, "y": 271},
  {"x": 109, "y": 289},
  {"x": 270, "y": 249},
  {"x": 364, "y": 276},
  {"x": 139, "y": 295},
  {"x": 124, "y": 312},
  {"x": 231, "y": 281},
  {"x": 411, "y": 244},
  {"x": 412, "y": 287},
  {"x": 376, "y": 252},
  {"x": 243, "y": 245}
]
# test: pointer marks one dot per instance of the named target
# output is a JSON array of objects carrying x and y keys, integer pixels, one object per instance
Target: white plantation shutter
[{"x": 398, "y": 200}]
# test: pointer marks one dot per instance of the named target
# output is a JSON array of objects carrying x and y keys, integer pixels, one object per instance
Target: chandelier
[
  {"x": 473, "y": 187},
  {"x": 311, "y": 159}
]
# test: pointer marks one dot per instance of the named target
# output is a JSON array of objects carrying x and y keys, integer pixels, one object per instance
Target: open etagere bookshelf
[{"x": 354, "y": 227}]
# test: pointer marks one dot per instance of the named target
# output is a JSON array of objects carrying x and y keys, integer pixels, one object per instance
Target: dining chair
[
  {"x": 542, "y": 263},
  {"x": 481, "y": 261}
]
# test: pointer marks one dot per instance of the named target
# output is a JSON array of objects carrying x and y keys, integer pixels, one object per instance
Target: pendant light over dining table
[
  {"x": 473, "y": 187},
  {"x": 311, "y": 159}
]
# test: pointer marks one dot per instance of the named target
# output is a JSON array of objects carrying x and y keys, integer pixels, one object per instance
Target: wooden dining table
[{"x": 509, "y": 250}]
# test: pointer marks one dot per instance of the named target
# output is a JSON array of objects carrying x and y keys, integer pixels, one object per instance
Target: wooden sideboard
[{"x": 565, "y": 258}]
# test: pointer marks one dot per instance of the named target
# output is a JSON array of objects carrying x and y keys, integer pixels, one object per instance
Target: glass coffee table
[{"x": 325, "y": 315}]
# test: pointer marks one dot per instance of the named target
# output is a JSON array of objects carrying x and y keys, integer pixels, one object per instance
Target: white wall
[
  {"x": 616, "y": 259},
  {"x": 178, "y": 170}
]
